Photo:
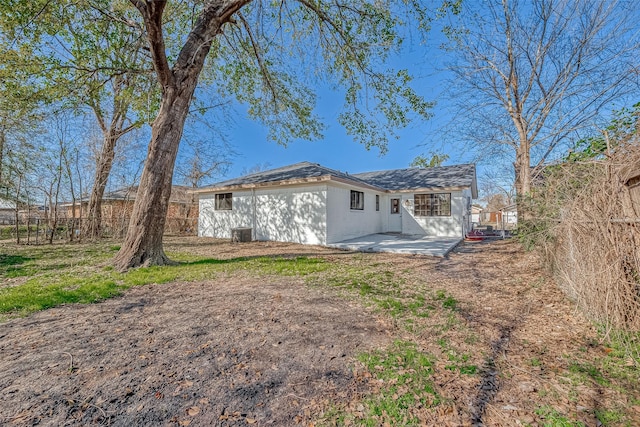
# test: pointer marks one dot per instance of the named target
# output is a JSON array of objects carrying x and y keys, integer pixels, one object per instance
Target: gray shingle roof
[
  {"x": 7, "y": 204},
  {"x": 392, "y": 180},
  {"x": 415, "y": 178},
  {"x": 179, "y": 194},
  {"x": 296, "y": 171}
]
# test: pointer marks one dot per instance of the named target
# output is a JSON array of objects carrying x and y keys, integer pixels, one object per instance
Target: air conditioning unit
[{"x": 240, "y": 235}]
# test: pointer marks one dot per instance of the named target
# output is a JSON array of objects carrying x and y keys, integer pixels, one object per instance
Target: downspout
[
  {"x": 253, "y": 221},
  {"x": 462, "y": 220}
]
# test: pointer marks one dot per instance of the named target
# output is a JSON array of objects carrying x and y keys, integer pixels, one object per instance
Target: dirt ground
[{"x": 242, "y": 350}]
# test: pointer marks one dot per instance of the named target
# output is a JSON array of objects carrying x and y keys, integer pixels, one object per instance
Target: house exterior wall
[
  {"x": 455, "y": 225},
  {"x": 344, "y": 223},
  {"x": 218, "y": 223},
  {"x": 292, "y": 215},
  {"x": 322, "y": 214},
  {"x": 284, "y": 214}
]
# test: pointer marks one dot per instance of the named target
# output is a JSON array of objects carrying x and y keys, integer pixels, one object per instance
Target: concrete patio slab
[{"x": 400, "y": 243}]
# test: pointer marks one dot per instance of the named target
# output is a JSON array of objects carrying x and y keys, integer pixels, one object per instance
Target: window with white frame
[
  {"x": 224, "y": 201},
  {"x": 377, "y": 202},
  {"x": 436, "y": 204},
  {"x": 357, "y": 200}
]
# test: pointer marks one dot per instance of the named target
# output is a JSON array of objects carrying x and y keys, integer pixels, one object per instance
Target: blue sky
[{"x": 338, "y": 150}]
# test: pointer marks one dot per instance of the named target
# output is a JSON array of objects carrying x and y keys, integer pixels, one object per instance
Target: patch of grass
[
  {"x": 298, "y": 266},
  {"x": 14, "y": 265},
  {"x": 394, "y": 306},
  {"x": 404, "y": 373},
  {"x": 623, "y": 357},
  {"x": 9, "y": 231},
  {"x": 468, "y": 369},
  {"x": 609, "y": 416},
  {"x": 459, "y": 361},
  {"x": 367, "y": 283},
  {"x": 383, "y": 289},
  {"x": 447, "y": 301},
  {"x": 553, "y": 418},
  {"x": 72, "y": 274},
  {"x": 33, "y": 296},
  {"x": 463, "y": 369},
  {"x": 588, "y": 370}
]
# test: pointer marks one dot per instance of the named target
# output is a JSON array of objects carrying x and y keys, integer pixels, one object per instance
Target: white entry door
[{"x": 395, "y": 216}]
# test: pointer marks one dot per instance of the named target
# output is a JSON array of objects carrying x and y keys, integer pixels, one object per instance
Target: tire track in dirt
[
  {"x": 489, "y": 384},
  {"x": 487, "y": 307}
]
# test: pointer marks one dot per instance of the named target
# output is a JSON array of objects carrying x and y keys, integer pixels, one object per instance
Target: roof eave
[
  {"x": 287, "y": 182},
  {"x": 431, "y": 189}
]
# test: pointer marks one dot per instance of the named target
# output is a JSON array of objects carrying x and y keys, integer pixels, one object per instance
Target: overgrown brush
[{"x": 587, "y": 225}]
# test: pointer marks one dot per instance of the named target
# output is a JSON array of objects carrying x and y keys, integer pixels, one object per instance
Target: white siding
[
  {"x": 293, "y": 214},
  {"x": 321, "y": 214},
  {"x": 284, "y": 214},
  {"x": 215, "y": 223},
  {"x": 344, "y": 223},
  {"x": 447, "y": 226}
]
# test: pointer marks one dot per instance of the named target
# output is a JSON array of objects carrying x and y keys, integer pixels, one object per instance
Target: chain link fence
[{"x": 37, "y": 230}]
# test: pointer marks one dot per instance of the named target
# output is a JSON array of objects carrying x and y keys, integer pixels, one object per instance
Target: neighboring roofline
[
  {"x": 130, "y": 194},
  {"x": 509, "y": 207}
]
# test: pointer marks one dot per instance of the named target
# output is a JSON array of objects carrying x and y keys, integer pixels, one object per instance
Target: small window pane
[
  {"x": 357, "y": 200},
  {"x": 223, "y": 202},
  {"x": 395, "y": 206},
  {"x": 377, "y": 202}
]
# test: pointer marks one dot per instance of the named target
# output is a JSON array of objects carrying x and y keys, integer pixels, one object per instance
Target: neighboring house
[
  {"x": 7, "y": 211},
  {"x": 117, "y": 207},
  {"x": 476, "y": 211},
  {"x": 509, "y": 216},
  {"x": 311, "y": 204}
]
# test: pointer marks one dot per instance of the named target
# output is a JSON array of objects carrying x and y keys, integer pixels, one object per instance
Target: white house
[
  {"x": 476, "y": 212},
  {"x": 7, "y": 211},
  {"x": 311, "y": 204},
  {"x": 509, "y": 216}
]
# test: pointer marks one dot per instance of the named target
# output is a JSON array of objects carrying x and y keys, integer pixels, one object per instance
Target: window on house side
[
  {"x": 357, "y": 200},
  {"x": 377, "y": 202},
  {"x": 223, "y": 202},
  {"x": 438, "y": 204}
]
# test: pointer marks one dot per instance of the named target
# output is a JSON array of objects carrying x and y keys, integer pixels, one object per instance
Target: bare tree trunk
[
  {"x": 2, "y": 143},
  {"x": 67, "y": 168},
  {"x": 93, "y": 225},
  {"x": 522, "y": 167},
  {"x": 17, "y": 201},
  {"x": 143, "y": 242}
]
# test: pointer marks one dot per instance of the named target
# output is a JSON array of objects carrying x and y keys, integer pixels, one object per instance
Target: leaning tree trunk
[
  {"x": 93, "y": 225},
  {"x": 2, "y": 142},
  {"x": 143, "y": 242}
]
